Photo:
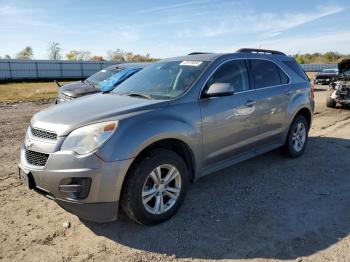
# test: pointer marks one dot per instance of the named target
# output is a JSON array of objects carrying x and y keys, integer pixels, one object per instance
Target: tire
[
  {"x": 289, "y": 148},
  {"x": 139, "y": 179},
  {"x": 331, "y": 102}
]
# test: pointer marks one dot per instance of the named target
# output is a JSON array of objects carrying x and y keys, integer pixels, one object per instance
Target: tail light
[{"x": 312, "y": 86}]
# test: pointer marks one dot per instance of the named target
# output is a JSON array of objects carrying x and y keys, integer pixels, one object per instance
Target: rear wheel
[
  {"x": 331, "y": 102},
  {"x": 297, "y": 137},
  {"x": 155, "y": 187}
]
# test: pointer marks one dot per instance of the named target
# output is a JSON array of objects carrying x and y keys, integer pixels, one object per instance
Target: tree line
[
  {"x": 318, "y": 58},
  {"x": 55, "y": 52}
]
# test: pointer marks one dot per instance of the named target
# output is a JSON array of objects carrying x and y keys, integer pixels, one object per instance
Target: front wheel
[
  {"x": 297, "y": 138},
  {"x": 155, "y": 187}
]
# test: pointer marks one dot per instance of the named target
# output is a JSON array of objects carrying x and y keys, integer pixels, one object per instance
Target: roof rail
[
  {"x": 198, "y": 53},
  {"x": 260, "y": 51}
]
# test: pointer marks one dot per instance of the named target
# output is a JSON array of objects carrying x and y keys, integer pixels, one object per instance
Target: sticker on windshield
[
  {"x": 191, "y": 63},
  {"x": 103, "y": 70}
]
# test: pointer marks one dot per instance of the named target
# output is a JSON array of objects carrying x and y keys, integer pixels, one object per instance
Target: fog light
[{"x": 75, "y": 187}]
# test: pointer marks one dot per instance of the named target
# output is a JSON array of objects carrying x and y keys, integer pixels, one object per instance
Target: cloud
[
  {"x": 311, "y": 43},
  {"x": 274, "y": 24},
  {"x": 252, "y": 22},
  {"x": 11, "y": 10},
  {"x": 298, "y": 43},
  {"x": 170, "y": 7}
]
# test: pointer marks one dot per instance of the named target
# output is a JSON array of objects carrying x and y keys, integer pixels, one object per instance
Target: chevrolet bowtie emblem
[{"x": 30, "y": 143}]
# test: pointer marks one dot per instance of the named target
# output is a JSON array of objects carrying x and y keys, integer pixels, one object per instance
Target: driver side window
[{"x": 234, "y": 72}]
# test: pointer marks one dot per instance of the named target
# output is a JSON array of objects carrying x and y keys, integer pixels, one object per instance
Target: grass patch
[
  {"x": 25, "y": 92},
  {"x": 311, "y": 75}
]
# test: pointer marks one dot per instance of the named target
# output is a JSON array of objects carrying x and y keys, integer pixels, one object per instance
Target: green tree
[{"x": 26, "y": 53}]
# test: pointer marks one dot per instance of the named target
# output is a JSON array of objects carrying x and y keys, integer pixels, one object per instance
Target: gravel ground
[{"x": 267, "y": 208}]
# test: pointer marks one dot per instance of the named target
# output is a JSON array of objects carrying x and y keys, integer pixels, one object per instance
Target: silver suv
[{"x": 173, "y": 122}]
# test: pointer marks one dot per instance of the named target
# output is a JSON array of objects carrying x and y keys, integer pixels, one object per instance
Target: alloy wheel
[{"x": 161, "y": 189}]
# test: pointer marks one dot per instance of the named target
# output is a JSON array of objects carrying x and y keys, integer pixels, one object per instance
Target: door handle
[
  {"x": 250, "y": 103},
  {"x": 289, "y": 92}
]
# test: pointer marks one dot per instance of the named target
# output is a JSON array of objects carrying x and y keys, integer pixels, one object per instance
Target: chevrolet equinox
[{"x": 173, "y": 122}]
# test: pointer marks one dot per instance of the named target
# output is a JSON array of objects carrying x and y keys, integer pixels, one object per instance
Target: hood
[
  {"x": 326, "y": 74},
  {"x": 65, "y": 117},
  {"x": 343, "y": 66},
  {"x": 78, "y": 88}
]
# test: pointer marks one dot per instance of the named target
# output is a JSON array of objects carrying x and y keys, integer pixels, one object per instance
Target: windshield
[
  {"x": 115, "y": 79},
  {"x": 101, "y": 75},
  {"x": 162, "y": 80}
]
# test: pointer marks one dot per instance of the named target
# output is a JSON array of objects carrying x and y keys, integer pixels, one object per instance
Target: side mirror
[{"x": 219, "y": 89}]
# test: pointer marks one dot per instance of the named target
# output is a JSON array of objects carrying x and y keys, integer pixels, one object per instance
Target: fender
[
  {"x": 299, "y": 101},
  {"x": 136, "y": 133}
]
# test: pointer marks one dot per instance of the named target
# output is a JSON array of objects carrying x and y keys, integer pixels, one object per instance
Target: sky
[{"x": 166, "y": 28}]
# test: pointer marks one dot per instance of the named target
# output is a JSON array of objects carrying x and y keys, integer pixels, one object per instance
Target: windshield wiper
[{"x": 146, "y": 96}]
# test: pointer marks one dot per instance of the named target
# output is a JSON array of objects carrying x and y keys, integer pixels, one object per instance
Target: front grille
[
  {"x": 44, "y": 134},
  {"x": 36, "y": 158}
]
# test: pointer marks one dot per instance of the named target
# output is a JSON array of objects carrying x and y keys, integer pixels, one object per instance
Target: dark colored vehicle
[
  {"x": 105, "y": 80},
  {"x": 340, "y": 87},
  {"x": 326, "y": 76},
  {"x": 173, "y": 122}
]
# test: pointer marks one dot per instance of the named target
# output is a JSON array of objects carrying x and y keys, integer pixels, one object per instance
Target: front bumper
[{"x": 101, "y": 201}]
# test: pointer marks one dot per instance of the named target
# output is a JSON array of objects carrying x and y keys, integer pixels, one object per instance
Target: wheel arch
[
  {"x": 173, "y": 144},
  {"x": 305, "y": 112}
]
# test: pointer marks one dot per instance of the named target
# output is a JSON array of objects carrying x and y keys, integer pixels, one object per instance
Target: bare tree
[
  {"x": 124, "y": 56},
  {"x": 116, "y": 55},
  {"x": 26, "y": 53},
  {"x": 54, "y": 50}
]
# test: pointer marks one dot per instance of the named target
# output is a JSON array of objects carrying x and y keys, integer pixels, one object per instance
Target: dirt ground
[{"x": 267, "y": 208}]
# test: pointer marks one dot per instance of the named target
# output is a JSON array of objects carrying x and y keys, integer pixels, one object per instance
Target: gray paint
[{"x": 219, "y": 131}]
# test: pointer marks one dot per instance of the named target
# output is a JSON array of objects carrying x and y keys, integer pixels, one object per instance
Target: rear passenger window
[
  {"x": 234, "y": 72},
  {"x": 265, "y": 73}
]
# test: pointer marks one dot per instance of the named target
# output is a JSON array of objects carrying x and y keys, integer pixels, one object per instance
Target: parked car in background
[
  {"x": 175, "y": 121},
  {"x": 103, "y": 81},
  {"x": 326, "y": 76},
  {"x": 340, "y": 87}
]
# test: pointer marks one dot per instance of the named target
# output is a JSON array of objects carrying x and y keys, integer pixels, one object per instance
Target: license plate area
[{"x": 26, "y": 178}]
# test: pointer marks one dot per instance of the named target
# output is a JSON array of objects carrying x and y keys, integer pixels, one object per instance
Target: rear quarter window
[
  {"x": 296, "y": 69},
  {"x": 284, "y": 77}
]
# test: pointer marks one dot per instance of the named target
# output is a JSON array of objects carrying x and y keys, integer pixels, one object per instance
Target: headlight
[{"x": 88, "y": 138}]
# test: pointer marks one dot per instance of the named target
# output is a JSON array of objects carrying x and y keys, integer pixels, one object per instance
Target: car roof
[
  {"x": 127, "y": 65},
  {"x": 214, "y": 56}
]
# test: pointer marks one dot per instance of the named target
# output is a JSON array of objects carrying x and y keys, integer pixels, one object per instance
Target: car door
[
  {"x": 272, "y": 97},
  {"x": 229, "y": 123}
]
